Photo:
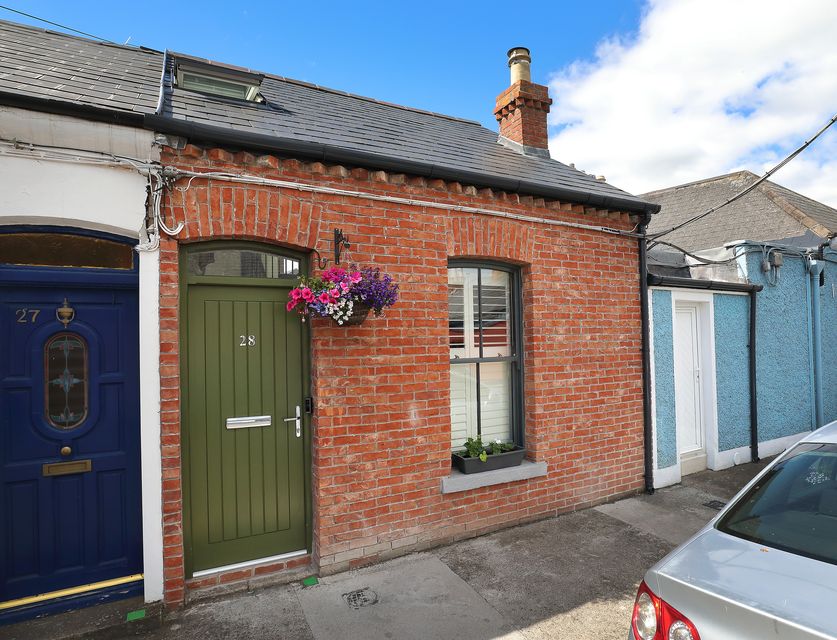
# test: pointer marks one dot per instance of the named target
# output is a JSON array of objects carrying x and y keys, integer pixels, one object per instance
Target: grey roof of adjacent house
[
  {"x": 52, "y": 66},
  {"x": 44, "y": 69},
  {"x": 770, "y": 212}
]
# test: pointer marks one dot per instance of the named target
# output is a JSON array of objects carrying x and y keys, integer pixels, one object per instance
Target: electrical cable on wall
[
  {"x": 176, "y": 174},
  {"x": 770, "y": 266},
  {"x": 168, "y": 176},
  {"x": 152, "y": 170},
  {"x": 17, "y": 148}
]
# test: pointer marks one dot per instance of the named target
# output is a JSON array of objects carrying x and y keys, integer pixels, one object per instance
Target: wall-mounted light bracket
[
  {"x": 322, "y": 263},
  {"x": 340, "y": 242}
]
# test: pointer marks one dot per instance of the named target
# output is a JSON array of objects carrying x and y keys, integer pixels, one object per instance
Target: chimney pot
[
  {"x": 520, "y": 62},
  {"x": 521, "y": 109}
]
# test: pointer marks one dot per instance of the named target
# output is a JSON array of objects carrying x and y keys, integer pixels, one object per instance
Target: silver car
[{"x": 764, "y": 568}]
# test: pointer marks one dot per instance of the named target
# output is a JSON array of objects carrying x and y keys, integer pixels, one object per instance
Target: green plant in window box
[{"x": 477, "y": 456}]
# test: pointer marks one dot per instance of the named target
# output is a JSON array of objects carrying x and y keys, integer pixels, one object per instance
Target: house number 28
[{"x": 247, "y": 341}]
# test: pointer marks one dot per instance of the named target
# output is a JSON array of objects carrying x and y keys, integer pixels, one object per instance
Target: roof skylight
[{"x": 219, "y": 81}]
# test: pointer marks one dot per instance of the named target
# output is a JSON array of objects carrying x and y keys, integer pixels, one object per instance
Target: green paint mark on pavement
[
  {"x": 310, "y": 582},
  {"x": 135, "y": 615}
]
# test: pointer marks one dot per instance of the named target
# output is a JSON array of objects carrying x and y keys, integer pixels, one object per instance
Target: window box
[{"x": 492, "y": 463}]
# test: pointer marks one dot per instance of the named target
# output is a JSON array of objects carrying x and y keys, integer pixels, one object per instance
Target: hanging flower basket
[
  {"x": 359, "y": 313},
  {"x": 346, "y": 297}
]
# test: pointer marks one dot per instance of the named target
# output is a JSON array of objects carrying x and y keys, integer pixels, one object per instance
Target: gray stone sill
[{"x": 458, "y": 481}]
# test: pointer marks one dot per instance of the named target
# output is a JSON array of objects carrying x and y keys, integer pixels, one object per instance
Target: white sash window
[{"x": 484, "y": 357}]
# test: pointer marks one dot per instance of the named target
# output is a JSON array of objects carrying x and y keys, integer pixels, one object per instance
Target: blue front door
[{"x": 69, "y": 432}]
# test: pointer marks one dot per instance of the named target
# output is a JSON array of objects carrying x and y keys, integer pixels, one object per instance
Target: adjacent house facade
[
  {"x": 741, "y": 341},
  {"x": 196, "y": 435},
  {"x": 79, "y": 388}
]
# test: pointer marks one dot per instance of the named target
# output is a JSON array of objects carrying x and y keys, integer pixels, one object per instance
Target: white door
[{"x": 688, "y": 389}]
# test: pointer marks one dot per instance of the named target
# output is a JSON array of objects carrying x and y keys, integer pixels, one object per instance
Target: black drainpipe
[
  {"x": 646, "y": 360},
  {"x": 754, "y": 416}
]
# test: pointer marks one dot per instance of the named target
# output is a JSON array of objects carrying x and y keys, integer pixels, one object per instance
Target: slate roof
[
  {"x": 304, "y": 112},
  {"x": 770, "y": 212},
  {"x": 43, "y": 64},
  {"x": 298, "y": 119}
]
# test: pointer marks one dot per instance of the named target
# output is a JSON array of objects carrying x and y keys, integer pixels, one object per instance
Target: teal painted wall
[
  {"x": 828, "y": 314},
  {"x": 732, "y": 379},
  {"x": 664, "y": 378},
  {"x": 783, "y": 367},
  {"x": 784, "y": 377}
]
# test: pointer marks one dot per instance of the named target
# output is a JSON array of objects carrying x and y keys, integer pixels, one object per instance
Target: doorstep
[
  {"x": 248, "y": 576},
  {"x": 458, "y": 481},
  {"x": 106, "y": 621}
]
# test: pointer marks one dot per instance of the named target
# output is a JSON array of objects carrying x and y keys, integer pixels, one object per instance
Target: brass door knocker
[{"x": 65, "y": 313}]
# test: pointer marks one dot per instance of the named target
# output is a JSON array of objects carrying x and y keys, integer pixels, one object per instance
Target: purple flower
[{"x": 375, "y": 289}]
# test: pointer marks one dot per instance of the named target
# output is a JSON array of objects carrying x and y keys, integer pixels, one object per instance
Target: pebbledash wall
[
  {"x": 381, "y": 449},
  {"x": 784, "y": 363}
]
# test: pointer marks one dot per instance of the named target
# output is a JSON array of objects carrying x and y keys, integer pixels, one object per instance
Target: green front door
[{"x": 244, "y": 450}]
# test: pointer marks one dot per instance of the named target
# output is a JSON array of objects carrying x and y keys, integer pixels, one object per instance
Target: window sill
[{"x": 458, "y": 481}]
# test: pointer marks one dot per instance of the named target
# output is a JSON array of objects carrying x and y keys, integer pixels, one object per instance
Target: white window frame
[
  {"x": 467, "y": 355},
  {"x": 250, "y": 82}
]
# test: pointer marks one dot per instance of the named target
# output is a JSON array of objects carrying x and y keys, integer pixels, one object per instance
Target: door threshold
[
  {"x": 249, "y": 563},
  {"x": 72, "y": 591},
  {"x": 692, "y": 462},
  {"x": 37, "y": 607}
]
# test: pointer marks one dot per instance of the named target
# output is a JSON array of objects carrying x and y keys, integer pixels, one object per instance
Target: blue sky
[{"x": 442, "y": 56}]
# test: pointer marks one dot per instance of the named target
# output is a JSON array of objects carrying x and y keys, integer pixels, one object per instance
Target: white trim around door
[
  {"x": 150, "y": 443},
  {"x": 694, "y": 355}
]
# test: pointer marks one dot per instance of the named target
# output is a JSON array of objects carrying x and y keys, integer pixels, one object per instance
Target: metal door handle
[{"x": 298, "y": 420}]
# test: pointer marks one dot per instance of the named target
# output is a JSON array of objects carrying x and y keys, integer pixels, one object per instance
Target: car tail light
[{"x": 655, "y": 619}]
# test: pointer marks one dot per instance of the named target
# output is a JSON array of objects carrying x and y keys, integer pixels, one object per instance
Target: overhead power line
[
  {"x": 653, "y": 236},
  {"x": 56, "y": 24}
]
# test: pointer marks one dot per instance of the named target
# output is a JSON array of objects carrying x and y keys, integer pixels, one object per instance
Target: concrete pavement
[{"x": 573, "y": 576}]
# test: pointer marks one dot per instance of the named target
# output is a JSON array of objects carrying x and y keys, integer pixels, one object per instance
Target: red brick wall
[{"x": 382, "y": 427}]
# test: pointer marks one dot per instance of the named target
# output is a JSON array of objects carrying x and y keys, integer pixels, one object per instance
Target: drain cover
[
  {"x": 360, "y": 598},
  {"x": 715, "y": 504}
]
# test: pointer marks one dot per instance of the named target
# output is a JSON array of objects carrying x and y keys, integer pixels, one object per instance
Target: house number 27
[
  {"x": 27, "y": 315},
  {"x": 247, "y": 341}
]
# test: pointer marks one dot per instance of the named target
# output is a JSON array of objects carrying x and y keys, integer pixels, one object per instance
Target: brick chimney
[{"x": 521, "y": 109}]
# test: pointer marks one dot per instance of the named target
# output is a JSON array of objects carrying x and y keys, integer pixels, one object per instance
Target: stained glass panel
[{"x": 65, "y": 373}]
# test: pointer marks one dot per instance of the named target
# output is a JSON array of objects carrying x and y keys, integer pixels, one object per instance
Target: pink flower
[
  {"x": 344, "y": 287},
  {"x": 355, "y": 277},
  {"x": 334, "y": 274},
  {"x": 334, "y": 293},
  {"x": 296, "y": 294},
  {"x": 307, "y": 295},
  {"x": 323, "y": 297},
  {"x": 291, "y": 304}
]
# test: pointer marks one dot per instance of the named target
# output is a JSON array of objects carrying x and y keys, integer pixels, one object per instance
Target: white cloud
[{"x": 704, "y": 88}]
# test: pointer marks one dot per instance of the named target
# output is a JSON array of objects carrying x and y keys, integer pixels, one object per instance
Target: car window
[{"x": 794, "y": 506}]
